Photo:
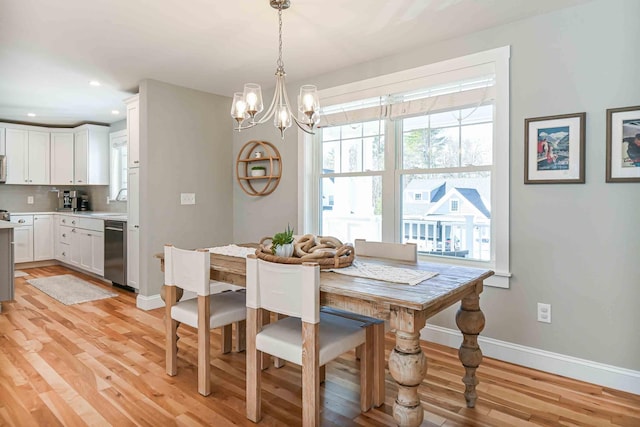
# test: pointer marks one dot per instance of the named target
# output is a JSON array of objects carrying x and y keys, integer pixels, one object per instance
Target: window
[
  {"x": 118, "y": 166},
  {"x": 417, "y": 156}
]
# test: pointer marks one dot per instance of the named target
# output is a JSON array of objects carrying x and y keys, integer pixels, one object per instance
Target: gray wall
[
  {"x": 185, "y": 146},
  {"x": 255, "y": 217},
  {"x": 119, "y": 125},
  {"x": 573, "y": 246}
]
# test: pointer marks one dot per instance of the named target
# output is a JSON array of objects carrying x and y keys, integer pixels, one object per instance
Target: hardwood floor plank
[{"x": 102, "y": 363}]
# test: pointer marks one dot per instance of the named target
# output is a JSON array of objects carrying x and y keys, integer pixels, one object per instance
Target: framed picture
[
  {"x": 554, "y": 149},
  {"x": 623, "y": 144}
]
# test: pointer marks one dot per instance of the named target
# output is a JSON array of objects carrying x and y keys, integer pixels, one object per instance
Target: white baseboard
[
  {"x": 555, "y": 363},
  {"x": 154, "y": 301}
]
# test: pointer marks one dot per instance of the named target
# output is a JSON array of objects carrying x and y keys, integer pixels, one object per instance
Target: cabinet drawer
[
  {"x": 90, "y": 224},
  {"x": 63, "y": 252},
  {"x": 66, "y": 220},
  {"x": 22, "y": 219},
  {"x": 64, "y": 235}
]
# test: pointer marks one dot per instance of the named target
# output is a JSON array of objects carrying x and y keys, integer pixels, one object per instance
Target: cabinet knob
[
  {"x": 79, "y": 180},
  {"x": 70, "y": 182},
  {"x": 136, "y": 226},
  {"x": 73, "y": 230},
  {"x": 73, "y": 222},
  {"x": 64, "y": 254},
  {"x": 88, "y": 234},
  {"x": 64, "y": 221},
  {"x": 64, "y": 234},
  {"x": 20, "y": 221},
  {"x": 136, "y": 161}
]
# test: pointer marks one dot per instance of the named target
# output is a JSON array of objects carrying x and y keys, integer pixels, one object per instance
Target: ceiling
[{"x": 50, "y": 50}]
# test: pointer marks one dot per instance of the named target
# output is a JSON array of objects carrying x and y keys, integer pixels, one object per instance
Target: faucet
[{"x": 119, "y": 197}]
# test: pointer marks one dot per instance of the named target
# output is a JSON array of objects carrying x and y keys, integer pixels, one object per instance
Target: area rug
[
  {"x": 69, "y": 289},
  {"x": 19, "y": 273}
]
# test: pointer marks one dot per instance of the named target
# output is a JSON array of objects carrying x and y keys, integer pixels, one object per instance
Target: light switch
[
  {"x": 29, "y": 200},
  {"x": 187, "y": 198}
]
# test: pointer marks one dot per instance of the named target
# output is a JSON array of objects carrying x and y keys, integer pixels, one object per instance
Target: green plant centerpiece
[
  {"x": 282, "y": 243},
  {"x": 258, "y": 171}
]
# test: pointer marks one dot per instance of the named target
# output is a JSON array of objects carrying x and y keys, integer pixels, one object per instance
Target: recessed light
[
  {"x": 31, "y": 114},
  {"x": 94, "y": 83},
  {"x": 115, "y": 112}
]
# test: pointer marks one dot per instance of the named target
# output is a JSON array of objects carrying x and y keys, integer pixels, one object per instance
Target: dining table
[{"x": 406, "y": 308}]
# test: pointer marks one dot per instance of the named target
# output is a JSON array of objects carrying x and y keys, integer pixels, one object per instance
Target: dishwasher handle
[{"x": 114, "y": 229}]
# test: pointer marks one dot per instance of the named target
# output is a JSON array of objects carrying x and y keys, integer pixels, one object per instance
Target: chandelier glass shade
[{"x": 247, "y": 105}]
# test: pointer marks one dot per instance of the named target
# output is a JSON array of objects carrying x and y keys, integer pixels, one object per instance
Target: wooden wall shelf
[{"x": 269, "y": 159}]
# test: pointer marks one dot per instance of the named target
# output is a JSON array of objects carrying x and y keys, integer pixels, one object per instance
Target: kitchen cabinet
[
  {"x": 133, "y": 229},
  {"x": 91, "y": 155},
  {"x": 43, "y": 248},
  {"x": 23, "y": 238},
  {"x": 133, "y": 131},
  {"x": 62, "y": 158},
  {"x": 81, "y": 243},
  {"x": 33, "y": 237},
  {"x": 2, "y": 146},
  {"x": 6, "y": 264},
  {"x": 28, "y": 157}
]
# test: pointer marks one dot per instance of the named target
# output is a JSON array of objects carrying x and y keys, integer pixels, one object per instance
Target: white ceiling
[{"x": 50, "y": 50}]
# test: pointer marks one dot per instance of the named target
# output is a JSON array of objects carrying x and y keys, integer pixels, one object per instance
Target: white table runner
[
  {"x": 232, "y": 250},
  {"x": 385, "y": 273}
]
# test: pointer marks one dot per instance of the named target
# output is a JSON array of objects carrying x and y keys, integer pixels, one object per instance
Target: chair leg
[
  {"x": 310, "y": 374},
  {"x": 378, "y": 364},
  {"x": 266, "y": 319},
  {"x": 366, "y": 371},
  {"x": 277, "y": 362},
  {"x": 323, "y": 374},
  {"x": 241, "y": 336},
  {"x": 204, "y": 341},
  {"x": 254, "y": 365},
  {"x": 226, "y": 336},
  {"x": 171, "y": 333}
]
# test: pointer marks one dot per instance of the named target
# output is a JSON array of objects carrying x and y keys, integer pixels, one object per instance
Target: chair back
[
  {"x": 187, "y": 269},
  {"x": 288, "y": 289},
  {"x": 397, "y": 251}
]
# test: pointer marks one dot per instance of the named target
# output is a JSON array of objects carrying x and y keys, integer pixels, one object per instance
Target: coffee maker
[{"x": 72, "y": 200}]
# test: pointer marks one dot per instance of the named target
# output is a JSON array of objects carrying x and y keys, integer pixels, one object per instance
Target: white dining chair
[
  {"x": 189, "y": 270},
  {"x": 394, "y": 251},
  {"x": 305, "y": 337}
]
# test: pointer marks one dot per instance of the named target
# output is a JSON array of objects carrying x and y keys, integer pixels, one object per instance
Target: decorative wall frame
[
  {"x": 554, "y": 149},
  {"x": 260, "y": 155},
  {"x": 623, "y": 144}
]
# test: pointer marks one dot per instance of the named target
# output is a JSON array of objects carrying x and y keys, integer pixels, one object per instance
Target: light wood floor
[{"x": 102, "y": 363}]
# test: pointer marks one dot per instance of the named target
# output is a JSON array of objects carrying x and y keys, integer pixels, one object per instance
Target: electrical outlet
[
  {"x": 29, "y": 200},
  {"x": 187, "y": 198},
  {"x": 544, "y": 312}
]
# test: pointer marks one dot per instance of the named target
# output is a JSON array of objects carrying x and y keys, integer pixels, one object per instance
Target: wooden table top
[{"x": 431, "y": 295}]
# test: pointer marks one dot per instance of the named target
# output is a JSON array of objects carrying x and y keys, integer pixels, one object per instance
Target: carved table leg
[
  {"x": 470, "y": 321},
  {"x": 408, "y": 366}
]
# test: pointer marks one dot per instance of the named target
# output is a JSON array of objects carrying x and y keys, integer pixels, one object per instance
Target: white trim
[
  {"x": 149, "y": 303},
  {"x": 568, "y": 366},
  {"x": 498, "y": 60},
  {"x": 155, "y": 301}
]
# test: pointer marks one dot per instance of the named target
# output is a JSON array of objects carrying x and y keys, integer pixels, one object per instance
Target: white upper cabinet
[
  {"x": 133, "y": 131},
  {"x": 91, "y": 155},
  {"x": 28, "y": 156},
  {"x": 62, "y": 158}
]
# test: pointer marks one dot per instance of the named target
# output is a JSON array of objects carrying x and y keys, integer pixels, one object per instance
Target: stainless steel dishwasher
[{"x": 115, "y": 252}]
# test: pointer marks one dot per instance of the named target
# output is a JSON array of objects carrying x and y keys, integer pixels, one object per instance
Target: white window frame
[
  {"x": 415, "y": 78},
  {"x": 455, "y": 202}
]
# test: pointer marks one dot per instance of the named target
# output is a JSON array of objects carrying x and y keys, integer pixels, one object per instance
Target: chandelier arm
[{"x": 272, "y": 107}]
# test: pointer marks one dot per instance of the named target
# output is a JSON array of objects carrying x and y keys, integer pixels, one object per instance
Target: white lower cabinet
[
  {"x": 23, "y": 244},
  {"x": 43, "y": 237},
  {"x": 23, "y": 238},
  {"x": 80, "y": 242}
]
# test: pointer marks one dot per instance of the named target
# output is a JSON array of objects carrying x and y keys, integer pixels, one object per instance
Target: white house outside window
[{"x": 417, "y": 156}]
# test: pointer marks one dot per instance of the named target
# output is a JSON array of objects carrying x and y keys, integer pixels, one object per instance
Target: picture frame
[
  {"x": 623, "y": 144},
  {"x": 554, "y": 149}
]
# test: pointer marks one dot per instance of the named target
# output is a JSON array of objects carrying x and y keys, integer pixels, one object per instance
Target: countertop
[
  {"x": 7, "y": 224},
  {"x": 114, "y": 216}
]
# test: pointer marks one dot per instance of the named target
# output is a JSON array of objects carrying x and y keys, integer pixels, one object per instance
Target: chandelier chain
[{"x": 280, "y": 64}]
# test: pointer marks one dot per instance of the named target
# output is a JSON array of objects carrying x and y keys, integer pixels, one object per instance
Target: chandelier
[{"x": 247, "y": 104}]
